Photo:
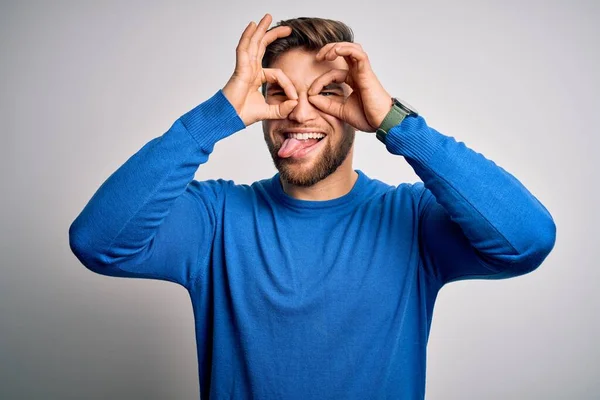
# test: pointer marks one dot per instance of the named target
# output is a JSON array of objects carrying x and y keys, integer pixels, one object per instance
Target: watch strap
[{"x": 395, "y": 116}]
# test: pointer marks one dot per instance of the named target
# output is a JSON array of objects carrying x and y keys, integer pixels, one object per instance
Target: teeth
[{"x": 305, "y": 136}]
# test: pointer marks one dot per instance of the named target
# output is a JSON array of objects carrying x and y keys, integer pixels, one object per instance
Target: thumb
[
  {"x": 327, "y": 105},
  {"x": 282, "y": 110}
]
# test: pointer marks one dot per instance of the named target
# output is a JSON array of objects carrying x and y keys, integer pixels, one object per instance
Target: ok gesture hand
[
  {"x": 369, "y": 102},
  {"x": 242, "y": 89}
]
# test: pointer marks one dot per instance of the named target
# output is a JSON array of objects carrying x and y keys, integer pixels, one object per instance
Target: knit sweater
[{"x": 298, "y": 299}]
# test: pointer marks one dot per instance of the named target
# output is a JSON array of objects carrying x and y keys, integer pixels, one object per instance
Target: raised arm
[
  {"x": 149, "y": 219},
  {"x": 477, "y": 220},
  {"x": 129, "y": 226}
]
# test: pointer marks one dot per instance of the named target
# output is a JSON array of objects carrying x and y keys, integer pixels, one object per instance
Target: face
[{"x": 301, "y": 161}]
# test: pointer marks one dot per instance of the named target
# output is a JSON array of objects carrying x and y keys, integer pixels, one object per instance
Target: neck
[{"x": 335, "y": 185}]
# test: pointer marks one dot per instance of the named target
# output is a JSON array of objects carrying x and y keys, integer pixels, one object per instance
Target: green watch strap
[{"x": 395, "y": 116}]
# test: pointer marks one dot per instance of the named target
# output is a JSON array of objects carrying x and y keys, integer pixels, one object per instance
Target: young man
[{"x": 318, "y": 283}]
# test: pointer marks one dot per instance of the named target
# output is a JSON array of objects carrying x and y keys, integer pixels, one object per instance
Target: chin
[
  {"x": 303, "y": 173},
  {"x": 301, "y": 178},
  {"x": 307, "y": 171}
]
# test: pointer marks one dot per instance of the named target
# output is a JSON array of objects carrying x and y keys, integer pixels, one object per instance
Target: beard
[{"x": 327, "y": 162}]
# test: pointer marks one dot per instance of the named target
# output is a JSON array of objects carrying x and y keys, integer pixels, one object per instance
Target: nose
[{"x": 304, "y": 110}]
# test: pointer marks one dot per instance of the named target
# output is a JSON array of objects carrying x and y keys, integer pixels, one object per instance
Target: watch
[{"x": 399, "y": 111}]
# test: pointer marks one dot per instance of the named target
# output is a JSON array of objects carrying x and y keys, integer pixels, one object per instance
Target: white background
[{"x": 86, "y": 84}]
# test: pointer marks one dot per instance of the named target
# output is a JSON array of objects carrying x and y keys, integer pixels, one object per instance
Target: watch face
[{"x": 407, "y": 107}]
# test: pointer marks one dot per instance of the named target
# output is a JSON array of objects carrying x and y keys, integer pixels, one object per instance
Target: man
[{"x": 320, "y": 282}]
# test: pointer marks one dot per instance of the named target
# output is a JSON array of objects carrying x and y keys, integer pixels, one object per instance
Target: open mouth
[
  {"x": 305, "y": 136},
  {"x": 299, "y": 144}
]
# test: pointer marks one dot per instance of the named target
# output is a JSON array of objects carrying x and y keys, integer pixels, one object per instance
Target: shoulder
[
  {"x": 211, "y": 189},
  {"x": 406, "y": 197},
  {"x": 414, "y": 191},
  {"x": 217, "y": 190}
]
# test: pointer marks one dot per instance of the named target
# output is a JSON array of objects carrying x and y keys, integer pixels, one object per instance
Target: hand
[
  {"x": 369, "y": 102},
  {"x": 242, "y": 89}
]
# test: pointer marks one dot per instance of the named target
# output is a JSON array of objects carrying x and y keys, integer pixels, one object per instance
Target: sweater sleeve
[
  {"x": 476, "y": 220},
  {"x": 149, "y": 219}
]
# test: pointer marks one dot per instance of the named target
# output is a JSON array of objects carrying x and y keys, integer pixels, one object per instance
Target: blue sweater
[{"x": 297, "y": 299}]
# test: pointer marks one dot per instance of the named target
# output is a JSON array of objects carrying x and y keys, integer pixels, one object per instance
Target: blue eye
[{"x": 327, "y": 93}]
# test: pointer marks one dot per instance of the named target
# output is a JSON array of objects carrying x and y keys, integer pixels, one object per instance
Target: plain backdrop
[{"x": 86, "y": 84}]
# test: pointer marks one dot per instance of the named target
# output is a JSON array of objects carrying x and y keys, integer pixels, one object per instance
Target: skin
[
  {"x": 358, "y": 103},
  {"x": 331, "y": 163}
]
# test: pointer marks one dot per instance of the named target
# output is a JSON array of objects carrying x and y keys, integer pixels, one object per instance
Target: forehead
[{"x": 302, "y": 68}]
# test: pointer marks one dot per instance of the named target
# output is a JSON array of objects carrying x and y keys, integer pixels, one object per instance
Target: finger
[
  {"x": 331, "y": 76},
  {"x": 271, "y": 36},
  {"x": 275, "y": 33},
  {"x": 349, "y": 111},
  {"x": 324, "y": 50},
  {"x": 327, "y": 105},
  {"x": 350, "y": 53},
  {"x": 282, "y": 110},
  {"x": 246, "y": 35},
  {"x": 258, "y": 34},
  {"x": 328, "y": 47},
  {"x": 275, "y": 75}
]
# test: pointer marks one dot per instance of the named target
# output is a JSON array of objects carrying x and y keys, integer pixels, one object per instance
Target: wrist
[
  {"x": 378, "y": 120},
  {"x": 398, "y": 112},
  {"x": 212, "y": 120},
  {"x": 229, "y": 91}
]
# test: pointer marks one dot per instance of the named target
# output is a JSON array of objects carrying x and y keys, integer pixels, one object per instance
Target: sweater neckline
[{"x": 352, "y": 195}]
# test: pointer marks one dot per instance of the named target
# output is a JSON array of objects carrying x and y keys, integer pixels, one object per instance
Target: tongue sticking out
[{"x": 291, "y": 146}]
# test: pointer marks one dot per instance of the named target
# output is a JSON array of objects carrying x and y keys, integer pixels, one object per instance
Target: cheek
[
  {"x": 337, "y": 124},
  {"x": 266, "y": 127},
  {"x": 269, "y": 126}
]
